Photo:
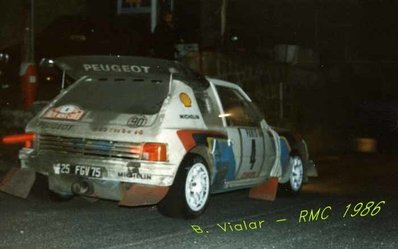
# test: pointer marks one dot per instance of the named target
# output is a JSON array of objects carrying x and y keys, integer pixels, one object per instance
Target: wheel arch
[
  {"x": 203, "y": 152},
  {"x": 175, "y": 203}
]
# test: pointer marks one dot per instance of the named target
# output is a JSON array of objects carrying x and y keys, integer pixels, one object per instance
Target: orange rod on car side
[{"x": 26, "y": 139}]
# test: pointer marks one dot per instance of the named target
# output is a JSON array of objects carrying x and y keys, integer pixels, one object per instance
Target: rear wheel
[{"x": 189, "y": 195}]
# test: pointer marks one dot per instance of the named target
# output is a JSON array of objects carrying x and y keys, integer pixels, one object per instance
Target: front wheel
[
  {"x": 189, "y": 195},
  {"x": 293, "y": 186}
]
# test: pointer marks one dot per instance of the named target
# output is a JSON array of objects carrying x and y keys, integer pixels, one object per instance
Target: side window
[
  {"x": 208, "y": 107},
  {"x": 238, "y": 111}
]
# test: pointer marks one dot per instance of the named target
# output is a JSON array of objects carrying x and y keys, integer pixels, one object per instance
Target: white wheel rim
[
  {"x": 197, "y": 187},
  {"x": 296, "y": 176}
]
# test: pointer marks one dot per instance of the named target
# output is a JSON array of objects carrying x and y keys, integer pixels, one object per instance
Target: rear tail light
[
  {"x": 154, "y": 152},
  {"x": 26, "y": 138}
]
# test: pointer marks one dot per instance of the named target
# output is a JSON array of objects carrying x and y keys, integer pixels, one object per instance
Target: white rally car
[{"x": 144, "y": 131}]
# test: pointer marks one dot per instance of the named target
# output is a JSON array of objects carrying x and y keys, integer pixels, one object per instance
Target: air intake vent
[{"x": 94, "y": 147}]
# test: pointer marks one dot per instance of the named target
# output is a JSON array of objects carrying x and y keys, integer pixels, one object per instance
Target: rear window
[{"x": 118, "y": 95}]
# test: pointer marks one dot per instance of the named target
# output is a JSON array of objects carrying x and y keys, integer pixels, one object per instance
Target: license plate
[{"x": 79, "y": 170}]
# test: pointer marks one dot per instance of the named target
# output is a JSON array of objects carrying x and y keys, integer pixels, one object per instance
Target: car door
[{"x": 244, "y": 131}]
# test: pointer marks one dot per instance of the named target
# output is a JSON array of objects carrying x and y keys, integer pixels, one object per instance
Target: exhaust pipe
[{"x": 82, "y": 188}]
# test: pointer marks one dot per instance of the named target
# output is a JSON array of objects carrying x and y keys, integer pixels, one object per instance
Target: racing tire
[
  {"x": 188, "y": 197},
  {"x": 296, "y": 178}
]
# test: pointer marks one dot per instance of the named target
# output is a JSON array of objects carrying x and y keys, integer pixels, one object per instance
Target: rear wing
[
  {"x": 128, "y": 66},
  {"x": 120, "y": 66}
]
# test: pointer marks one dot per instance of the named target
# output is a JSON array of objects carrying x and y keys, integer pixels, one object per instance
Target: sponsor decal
[
  {"x": 185, "y": 99},
  {"x": 112, "y": 130},
  {"x": 133, "y": 171},
  {"x": 224, "y": 160},
  {"x": 115, "y": 68},
  {"x": 189, "y": 116},
  {"x": 54, "y": 126},
  {"x": 67, "y": 112},
  {"x": 138, "y": 132},
  {"x": 251, "y": 132},
  {"x": 191, "y": 138},
  {"x": 137, "y": 121}
]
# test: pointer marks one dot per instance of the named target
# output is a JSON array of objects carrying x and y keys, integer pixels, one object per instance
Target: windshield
[{"x": 118, "y": 95}]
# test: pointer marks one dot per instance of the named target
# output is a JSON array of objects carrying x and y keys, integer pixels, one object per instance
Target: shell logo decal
[{"x": 185, "y": 99}]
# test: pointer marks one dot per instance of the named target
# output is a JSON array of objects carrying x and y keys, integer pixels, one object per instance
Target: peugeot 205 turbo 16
[{"x": 145, "y": 131}]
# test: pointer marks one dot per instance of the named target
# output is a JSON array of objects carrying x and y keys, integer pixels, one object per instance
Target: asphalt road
[{"x": 325, "y": 215}]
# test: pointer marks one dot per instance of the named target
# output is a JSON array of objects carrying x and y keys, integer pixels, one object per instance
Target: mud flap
[
  {"x": 138, "y": 195},
  {"x": 311, "y": 169},
  {"x": 18, "y": 182},
  {"x": 266, "y": 191}
]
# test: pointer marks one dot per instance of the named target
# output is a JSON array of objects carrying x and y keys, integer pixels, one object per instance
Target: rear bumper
[
  {"x": 121, "y": 179},
  {"x": 127, "y": 194},
  {"x": 130, "y": 171}
]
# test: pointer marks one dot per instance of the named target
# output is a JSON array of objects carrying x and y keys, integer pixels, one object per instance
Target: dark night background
[{"x": 347, "y": 48}]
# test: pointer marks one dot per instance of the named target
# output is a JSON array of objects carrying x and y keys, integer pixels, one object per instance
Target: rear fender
[{"x": 203, "y": 152}]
